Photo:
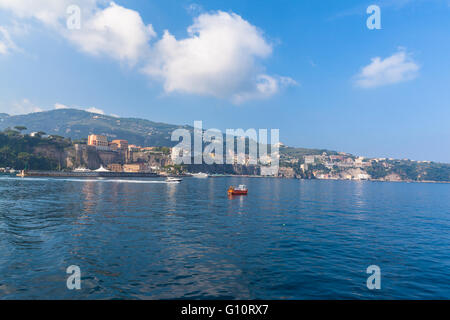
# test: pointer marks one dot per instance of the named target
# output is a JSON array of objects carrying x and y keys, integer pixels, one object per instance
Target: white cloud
[
  {"x": 115, "y": 31},
  {"x": 6, "y": 43},
  {"x": 95, "y": 110},
  {"x": 219, "y": 58},
  {"x": 397, "y": 68},
  {"x": 23, "y": 107},
  {"x": 49, "y": 12},
  {"x": 60, "y": 106}
]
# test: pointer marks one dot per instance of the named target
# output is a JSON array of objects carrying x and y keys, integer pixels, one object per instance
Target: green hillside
[{"x": 78, "y": 124}]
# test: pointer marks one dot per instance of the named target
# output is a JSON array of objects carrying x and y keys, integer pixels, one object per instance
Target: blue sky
[{"x": 308, "y": 68}]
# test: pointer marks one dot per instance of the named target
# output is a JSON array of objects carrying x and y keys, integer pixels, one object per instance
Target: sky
[{"x": 312, "y": 69}]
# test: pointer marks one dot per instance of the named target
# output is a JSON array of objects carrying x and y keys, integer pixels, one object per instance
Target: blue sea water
[{"x": 288, "y": 239}]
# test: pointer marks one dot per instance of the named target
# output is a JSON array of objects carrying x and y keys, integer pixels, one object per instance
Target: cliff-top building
[
  {"x": 98, "y": 141},
  {"x": 119, "y": 145}
]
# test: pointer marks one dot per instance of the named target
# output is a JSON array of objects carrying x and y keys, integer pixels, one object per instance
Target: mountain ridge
[{"x": 78, "y": 124}]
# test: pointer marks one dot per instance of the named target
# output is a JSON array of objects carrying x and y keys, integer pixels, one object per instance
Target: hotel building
[{"x": 98, "y": 141}]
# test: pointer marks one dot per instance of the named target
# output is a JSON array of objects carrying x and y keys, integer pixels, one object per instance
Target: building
[
  {"x": 115, "y": 167},
  {"x": 134, "y": 167},
  {"x": 134, "y": 148},
  {"x": 310, "y": 159},
  {"x": 121, "y": 145},
  {"x": 337, "y": 158},
  {"x": 363, "y": 176},
  {"x": 98, "y": 141},
  {"x": 359, "y": 161},
  {"x": 269, "y": 171}
]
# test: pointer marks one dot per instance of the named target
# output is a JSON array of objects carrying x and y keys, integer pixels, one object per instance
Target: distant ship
[
  {"x": 81, "y": 170},
  {"x": 200, "y": 175}
]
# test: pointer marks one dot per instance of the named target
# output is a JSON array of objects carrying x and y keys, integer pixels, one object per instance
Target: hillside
[
  {"x": 21, "y": 151},
  {"x": 78, "y": 124}
]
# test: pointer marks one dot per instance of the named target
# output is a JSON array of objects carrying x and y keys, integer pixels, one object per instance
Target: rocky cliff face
[
  {"x": 51, "y": 152},
  {"x": 82, "y": 156},
  {"x": 79, "y": 156},
  {"x": 153, "y": 159}
]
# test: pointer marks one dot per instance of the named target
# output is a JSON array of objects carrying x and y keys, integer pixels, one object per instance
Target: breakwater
[{"x": 91, "y": 174}]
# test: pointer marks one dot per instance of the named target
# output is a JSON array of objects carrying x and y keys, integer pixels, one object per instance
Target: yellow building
[
  {"x": 115, "y": 167},
  {"x": 134, "y": 167}
]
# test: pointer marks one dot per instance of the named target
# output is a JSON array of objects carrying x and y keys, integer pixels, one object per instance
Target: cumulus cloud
[
  {"x": 115, "y": 31},
  {"x": 220, "y": 58},
  {"x": 399, "y": 67}
]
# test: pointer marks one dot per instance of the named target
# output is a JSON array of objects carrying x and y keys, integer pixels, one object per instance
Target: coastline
[{"x": 67, "y": 174}]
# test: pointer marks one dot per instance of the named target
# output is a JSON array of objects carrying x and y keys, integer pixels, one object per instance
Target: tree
[
  {"x": 40, "y": 134},
  {"x": 20, "y": 128},
  {"x": 23, "y": 160}
]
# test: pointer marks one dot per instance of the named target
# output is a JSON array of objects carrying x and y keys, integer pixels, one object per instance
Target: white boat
[
  {"x": 173, "y": 180},
  {"x": 200, "y": 175},
  {"x": 81, "y": 170}
]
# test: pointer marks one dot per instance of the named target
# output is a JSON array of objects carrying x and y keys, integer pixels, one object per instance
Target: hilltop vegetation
[
  {"x": 412, "y": 170},
  {"x": 78, "y": 124},
  {"x": 18, "y": 151}
]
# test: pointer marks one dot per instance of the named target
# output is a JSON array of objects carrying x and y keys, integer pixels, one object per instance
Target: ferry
[
  {"x": 81, "y": 170},
  {"x": 200, "y": 175},
  {"x": 242, "y": 190}
]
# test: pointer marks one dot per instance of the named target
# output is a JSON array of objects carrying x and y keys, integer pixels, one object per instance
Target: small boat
[
  {"x": 22, "y": 174},
  {"x": 173, "y": 180},
  {"x": 200, "y": 175},
  {"x": 239, "y": 191}
]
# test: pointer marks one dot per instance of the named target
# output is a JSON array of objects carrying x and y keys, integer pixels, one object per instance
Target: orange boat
[{"x": 239, "y": 191}]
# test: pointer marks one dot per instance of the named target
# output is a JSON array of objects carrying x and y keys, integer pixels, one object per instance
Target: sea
[{"x": 287, "y": 239}]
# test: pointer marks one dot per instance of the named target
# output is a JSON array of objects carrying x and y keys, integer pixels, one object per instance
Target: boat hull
[{"x": 238, "y": 192}]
